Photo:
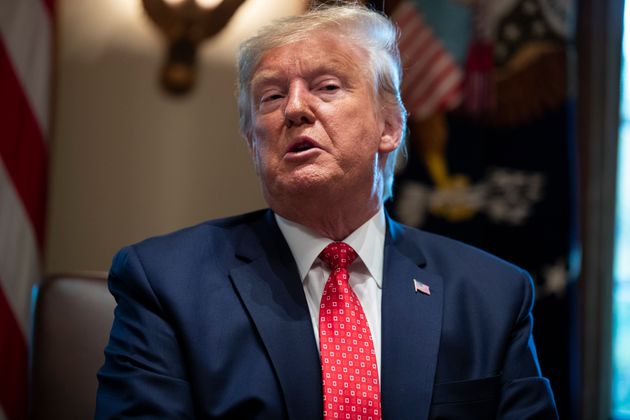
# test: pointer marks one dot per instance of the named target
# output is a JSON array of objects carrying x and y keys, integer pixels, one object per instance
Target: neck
[{"x": 330, "y": 218}]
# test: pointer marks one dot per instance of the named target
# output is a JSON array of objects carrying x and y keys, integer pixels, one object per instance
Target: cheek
[
  {"x": 262, "y": 156},
  {"x": 266, "y": 133}
]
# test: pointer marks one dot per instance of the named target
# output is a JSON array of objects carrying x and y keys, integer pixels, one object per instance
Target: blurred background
[{"x": 118, "y": 121}]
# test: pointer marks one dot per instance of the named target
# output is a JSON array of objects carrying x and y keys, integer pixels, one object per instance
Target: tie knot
[{"x": 338, "y": 255}]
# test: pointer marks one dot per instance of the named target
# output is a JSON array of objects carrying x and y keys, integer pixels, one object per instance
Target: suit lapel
[
  {"x": 411, "y": 326},
  {"x": 270, "y": 288}
]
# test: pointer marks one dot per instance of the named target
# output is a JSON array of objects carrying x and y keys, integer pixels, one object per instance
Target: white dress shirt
[{"x": 366, "y": 272}]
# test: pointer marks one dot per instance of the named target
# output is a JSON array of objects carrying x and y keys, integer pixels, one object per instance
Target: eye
[
  {"x": 329, "y": 87},
  {"x": 270, "y": 97}
]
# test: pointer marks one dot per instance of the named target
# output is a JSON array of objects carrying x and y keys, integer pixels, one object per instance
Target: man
[{"x": 321, "y": 306}]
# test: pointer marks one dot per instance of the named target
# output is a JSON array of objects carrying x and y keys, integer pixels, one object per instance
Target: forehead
[{"x": 318, "y": 52}]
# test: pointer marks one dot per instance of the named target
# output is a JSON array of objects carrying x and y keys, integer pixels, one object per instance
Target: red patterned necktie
[{"x": 349, "y": 370}]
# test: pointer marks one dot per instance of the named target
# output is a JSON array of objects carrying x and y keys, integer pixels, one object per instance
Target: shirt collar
[{"x": 368, "y": 241}]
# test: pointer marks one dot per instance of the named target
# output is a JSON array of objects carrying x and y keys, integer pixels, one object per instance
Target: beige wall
[{"x": 127, "y": 160}]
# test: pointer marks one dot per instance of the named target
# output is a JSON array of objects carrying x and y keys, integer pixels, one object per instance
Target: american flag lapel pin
[{"x": 421, "y": 287}]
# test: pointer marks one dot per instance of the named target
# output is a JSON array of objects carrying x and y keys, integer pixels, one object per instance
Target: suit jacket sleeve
[
  {"x": 525, "y": 393},
  {"x": 143, "y": 375}
]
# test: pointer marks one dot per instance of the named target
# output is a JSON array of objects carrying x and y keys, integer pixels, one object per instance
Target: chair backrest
[{"x": 72, "y": 319}]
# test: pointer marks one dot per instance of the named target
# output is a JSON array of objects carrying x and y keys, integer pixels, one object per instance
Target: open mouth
[{"x": 302, "y": 145}]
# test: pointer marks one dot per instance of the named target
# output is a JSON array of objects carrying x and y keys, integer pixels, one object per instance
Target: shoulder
[
  {"x": 438, "y": 249},
  {"x": 465, "y": 267},
  {"x": 208, "y": 231},
  {"x": 216, "y": 238}
]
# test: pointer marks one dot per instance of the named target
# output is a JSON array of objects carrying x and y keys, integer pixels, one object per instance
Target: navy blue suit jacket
[{"x": 212, "y": 322}]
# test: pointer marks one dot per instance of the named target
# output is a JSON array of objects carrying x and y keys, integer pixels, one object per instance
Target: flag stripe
[
  {"x": 415, "y": 33},
  {"x": 26, "y": 29},
  {"x": 431, "y": 73},
  {"x": 416, "y": 49},
  {"x": 25, "y": 64},
  {"x": 22, "y": 147},
  {"x": 13, "y": 364},
  {"x": 454, "y": 97},
  {"x": 417, "y": 46},
  {"x": 430, "y": 59},
  {"x": 19, "y": 256},
  {"x": 430, "y": 81},
  {"x": 429, "y": 103},
  {"x": 403, "y": 14}
]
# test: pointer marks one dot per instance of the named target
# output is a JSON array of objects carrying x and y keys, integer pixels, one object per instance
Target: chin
[{"x": 304, "y": 184}]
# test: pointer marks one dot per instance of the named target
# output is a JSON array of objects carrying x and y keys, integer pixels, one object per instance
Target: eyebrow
[
  {"x": 274, "y": 76},
  {"x": 266, "y": 77}
]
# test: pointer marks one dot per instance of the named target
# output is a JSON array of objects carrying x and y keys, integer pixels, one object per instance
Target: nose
[{"x": 298, "y": 109}]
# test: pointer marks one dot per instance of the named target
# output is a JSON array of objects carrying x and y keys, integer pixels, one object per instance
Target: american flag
[
  {"x": 26, "y": 28},
  {"x": 421, "y": 287},
  {"x": 433, "y": 81}
]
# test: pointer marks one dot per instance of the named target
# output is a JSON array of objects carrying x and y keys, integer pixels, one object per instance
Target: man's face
[{"x": 316, "y": 122}]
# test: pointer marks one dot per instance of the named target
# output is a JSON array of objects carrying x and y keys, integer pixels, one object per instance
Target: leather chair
[{"x": 72, "y": 319}]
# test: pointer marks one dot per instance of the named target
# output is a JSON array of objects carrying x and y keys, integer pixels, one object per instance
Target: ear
[
  {"x": 250, "y": 139},
  {"x": 253, "y": 152},
  {"x": 391, "y": 132}
]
